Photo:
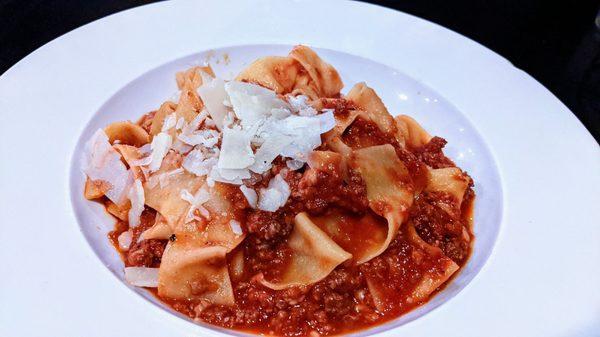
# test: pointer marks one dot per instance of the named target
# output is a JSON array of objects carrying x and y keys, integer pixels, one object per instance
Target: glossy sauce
[{"x": 342, "y": 302}]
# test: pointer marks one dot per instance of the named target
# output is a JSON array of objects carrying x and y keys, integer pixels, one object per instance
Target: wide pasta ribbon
[
  {"x": 302, "y": 72},
  {"x": 189, "y": 271},
  {"x": 194, "y": 266},
  {"x": 389, "y": 188},
  {"x": 314, "y": 256}
]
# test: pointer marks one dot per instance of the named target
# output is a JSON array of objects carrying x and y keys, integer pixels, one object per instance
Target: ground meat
[
  {"x": 438, "y": 228},
  {"x": 268, "y": 225},
  {"x": 320, "y": 189},
  {"x": 340, "y": 297},
  {"x": 363, "y": 133},
  {"x": 340, "y": 105},
  {"x": 146, "y": 253},
  {"x": 432, "y": 153},
  {"x": 416, "y": 168},
  {"x": 342, "y": 301}
]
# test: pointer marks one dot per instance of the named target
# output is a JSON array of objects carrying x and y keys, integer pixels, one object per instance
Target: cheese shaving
[
  {"x": 236, "y": 152},
  {"x": 201, "y": 161},
  {"x": 161, "y": 143},
  {"x": 236, "y": 227},
  {"x": 196, "y": 201},
  {"x": 212, "y": 92},
  {"x": 250, "y": 195},
  {"x": 103, "y": 162},
  {"x": 136, "y": 196},
  {"x": 275, "y": 195},
  {"x": 169, "y": 122},
  {"x": 124, "y": 239},
  {"x": 142, "y": 276}
]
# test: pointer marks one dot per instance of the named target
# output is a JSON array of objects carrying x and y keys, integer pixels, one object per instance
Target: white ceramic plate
[{"x": 535, "y": 269}]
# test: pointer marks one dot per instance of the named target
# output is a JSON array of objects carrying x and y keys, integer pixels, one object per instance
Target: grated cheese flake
[
  {"x": 102, "y": 162},
  {"x": 236, "y": 227},
  {"x": 250, "y": 195},
  {"x": 136, "y": 196},
  {"x": 142, "y": 276},
  {"x": 275, "y": 195},
  {"x": 161, "y": 143}
]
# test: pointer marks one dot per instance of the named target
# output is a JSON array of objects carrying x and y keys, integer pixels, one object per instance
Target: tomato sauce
[{"x": 342, "y": 302}]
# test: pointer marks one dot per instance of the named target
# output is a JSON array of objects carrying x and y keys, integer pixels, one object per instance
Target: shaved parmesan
[
  {"x": 250, "y": 195},
  {"x": 200, "y": 163},
  {"x": 275, "y": 195},
  {"x": 208, "y": 138},
  {"x": 196, "y": 201},
  {"x": 230, "y": 176},
  {"x": 180, "y": 123},
  {"x": 169, "y": 122},
  {"x": 180, "y": 146},
  {"x": 299, "y": 105},
  {"x": 294, "y": 165},
  {"x": 236, "y": 227},
  {"x": 142, "y": 276},
  {"x": 161, "y": 143},
  {"x": 212, "y": 92},
  {"x": 236, "y": 152},
  {"x": 136, "y": 195},
  {"x": 252, "y": 103},
  {"x": 145, "y": 149},
  {"x": 125, "y": 239},
  {"x": 326, "y": 120},
  {"x": 269, "y": 150},
  {"x": 102, "y": 162}
]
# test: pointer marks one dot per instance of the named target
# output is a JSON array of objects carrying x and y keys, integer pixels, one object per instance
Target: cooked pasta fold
[{"x": 276, "y": 203}]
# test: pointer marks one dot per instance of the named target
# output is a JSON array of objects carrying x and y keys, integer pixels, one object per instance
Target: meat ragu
[{"x": 275, "y": 204}]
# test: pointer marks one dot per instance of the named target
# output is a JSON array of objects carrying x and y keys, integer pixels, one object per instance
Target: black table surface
[{"x": 557, "y": 42}]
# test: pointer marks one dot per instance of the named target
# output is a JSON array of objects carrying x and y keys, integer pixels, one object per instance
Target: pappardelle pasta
[{"x": 273, "y": 203}]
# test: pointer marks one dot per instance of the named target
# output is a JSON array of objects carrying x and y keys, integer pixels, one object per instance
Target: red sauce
[{"x": 342, "y": 302}]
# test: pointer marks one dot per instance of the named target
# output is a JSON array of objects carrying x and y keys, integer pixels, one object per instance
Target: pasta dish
[{"x": 274, "y": 204}]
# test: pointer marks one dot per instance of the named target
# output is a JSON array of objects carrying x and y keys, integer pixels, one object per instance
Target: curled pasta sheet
[
  {"x": 95, "y": 189},
  {"x": 236, "y": 264},
  {"x": 160, "y": 229},
  {"x": 362, "y": 236},
  {"x": 127, "y": 133},
  {"x": 325, "y": 79},
  {"x": 212, "y": 230},
  {"x": 367, "y": 100},
  {"x": 411, "y": 132},
  {"x": 191, "y": 79},
  {"x": 163, "y": 189},
  {"x": 130, "y": 154},
  {"x": 389, "y": 188},
  {"x": 450, "y": 181},
  {"x": 218, "y": 229},
  {"x": 314, "y": 255},
  {"x": 433, "y": 278},
  {"x": 189, "y": 103},
  {"x": 274, "y": 72},
  {"x": 190, "y": 271},
  {"x": 333, "y": 137},
  {"x": 120, "y": 212},
  {"x": 194, "y": 266},
  {"x": 328, "y": 161},
  {"x": 302, "y": 72},
  {"x": 165, "y": 110}
]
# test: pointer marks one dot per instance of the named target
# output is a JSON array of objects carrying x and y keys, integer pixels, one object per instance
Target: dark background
[{"x": 557, "y": 42}]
